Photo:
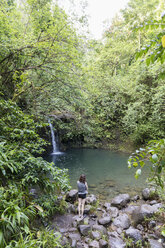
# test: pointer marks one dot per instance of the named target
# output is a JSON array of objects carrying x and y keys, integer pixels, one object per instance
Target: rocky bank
[{"x": 123, "y": 222}]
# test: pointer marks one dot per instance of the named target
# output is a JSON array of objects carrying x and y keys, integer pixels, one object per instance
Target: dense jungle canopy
[{"x": 106, "y": 93}]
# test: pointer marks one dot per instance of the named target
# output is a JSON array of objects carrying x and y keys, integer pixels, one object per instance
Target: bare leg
[
  {"x": 83, "y": 204},
  {"x": 79, "y": 206}
]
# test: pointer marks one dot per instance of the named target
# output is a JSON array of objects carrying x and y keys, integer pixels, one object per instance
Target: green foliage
[
  {"x": 97, "y": 92},
  {"x": 20, "y": 130},
  {"x": 126, "y": 95},
  {"x": 97, "y": 98},
  {"x": 20, "y": 171},
  {"x": 15, "y": 212},
  {"x": 153, "y": 51},
  {"x": 155, "y": 153},
  {"x": 44, "y": 239}
]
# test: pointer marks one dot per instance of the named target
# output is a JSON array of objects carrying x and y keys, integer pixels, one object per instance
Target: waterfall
[{"x": 54, "y": 143}]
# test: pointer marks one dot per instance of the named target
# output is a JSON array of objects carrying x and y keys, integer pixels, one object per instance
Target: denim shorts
[{"x": 82, "y": 196}]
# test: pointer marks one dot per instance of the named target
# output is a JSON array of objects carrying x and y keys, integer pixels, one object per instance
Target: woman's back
[{"x": 81, "y": 187}]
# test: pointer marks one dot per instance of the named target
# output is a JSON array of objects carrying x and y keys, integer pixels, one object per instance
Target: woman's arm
[{"x": 86, "y": 185}]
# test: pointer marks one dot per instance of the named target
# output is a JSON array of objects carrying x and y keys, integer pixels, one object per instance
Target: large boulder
[
  {"x": 79, "y": 245},
  {"x": 100, "y": 228},
  {"x": 142, "y": 212},
  {"x": 87, "y": 209},
  {"x": 84, "y": 229},
  {"x": 130, "y": 209},
  {"x": 64, "y": 241},
  {"x": 122, "y": 221},
  {"x": 133, "y": 234},
  {"x": 149, "y": 194},
  {"x": 96, "y": 235},
  {"x": 71, "y": 208},
  {"x": 115, "y": 241},
  {"x": 94, "y": 244},
  {"x": 104, "y": 220},
  {"x": 91, "y": 199},
  {"x": 74, "y": 236},
  {"x": 155, "y": 243},
  {"x": 71, "y": 196},
  {"x": 113, "y": 211},
  {"x": 107, "y": 205},
  {"x": 103, "y": 243},
  {"x": 120, "y": 201}
]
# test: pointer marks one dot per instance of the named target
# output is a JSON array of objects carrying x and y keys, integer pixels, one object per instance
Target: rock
[
  {"x": 149, "y": 194},
  {"x": 103, "y": 243},
  {"x": 86, "y": 221},
  {"x": 71, "y": 196},
  {"x": 87, "y": 209},
  {"x": 87, "y": 239},
  {"x": 72, "y": 229},
  {"x": 33, "y": 193},
  {"x": 79, "y": 245},
  {"x": 130, "y": 209},
  {"x": 58, "y": 200},
  {"x": 100, "y": 228},
  {"x": 105, "y": 214},
  {"x": 140, "y": 227},
  {"x": 74, "y": 243},
  {"x": 74, "y": 236},
  {"x": 104, "y": 221},
  {"x": 143, "y": 211},
  {"x": 135, "y": 198},
  {"x": 91, "y": 199},
  {"x": 99, "y": 209},
  {"x": 84, "y": 229},
  {"x": 155, "y": 243},
  {"x": 114, "y": 212},
  {"x": 153, "y": 202},
  {"x": 151, "y": 224},
  {"x": 77, "y": 221},
  {"x": 119, "y": 230},
  {"x": 122, "y": 221},
  {"x": 133, "y": 234},
  {"x": 113, "y": 234},
  {"x": 93, "y": 216},
  {"x": 157, "y": 206},
  {"x": 107, "y": 205},
  {"x": 63, "y": 230},
  {"x": 63, "y": 221},
  {"x": 96, "y": 235},
  {"x": 115, "y": 241},
  {"x": 71, "y": 208},
  {"x": 94, "y": 244},
  {"x": 64, "y": 241},
  {"x": 120, "y": 201}
]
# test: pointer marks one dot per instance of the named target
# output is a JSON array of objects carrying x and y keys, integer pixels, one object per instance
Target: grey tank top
[{"x": 81, "y": 188}]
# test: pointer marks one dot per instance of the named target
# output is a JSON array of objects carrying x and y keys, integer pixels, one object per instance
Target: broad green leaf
[
  {"x": 163, "y": 232},
  {"x": 138, "y": 173},
  {"x": 18, "y": 217},
  {"x": 148, "y": 60},
  {"x": 142, "y": 163},
  {"x": 135, "y": 164},
  {"x": 155, "y": 157},
  {"x": 163, "y": 40},
  {"x": 129, "y": 165},
  {"x": 39, "y": 208}
]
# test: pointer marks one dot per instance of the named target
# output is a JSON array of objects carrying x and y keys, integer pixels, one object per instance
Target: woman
[{"x": 82, "y": 191}]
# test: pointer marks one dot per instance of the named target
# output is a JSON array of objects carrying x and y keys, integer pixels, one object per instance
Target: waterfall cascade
[{"x": 54, "y": 143}]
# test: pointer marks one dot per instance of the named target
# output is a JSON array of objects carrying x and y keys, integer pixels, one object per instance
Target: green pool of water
[{"x": 107, "y": 172}]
